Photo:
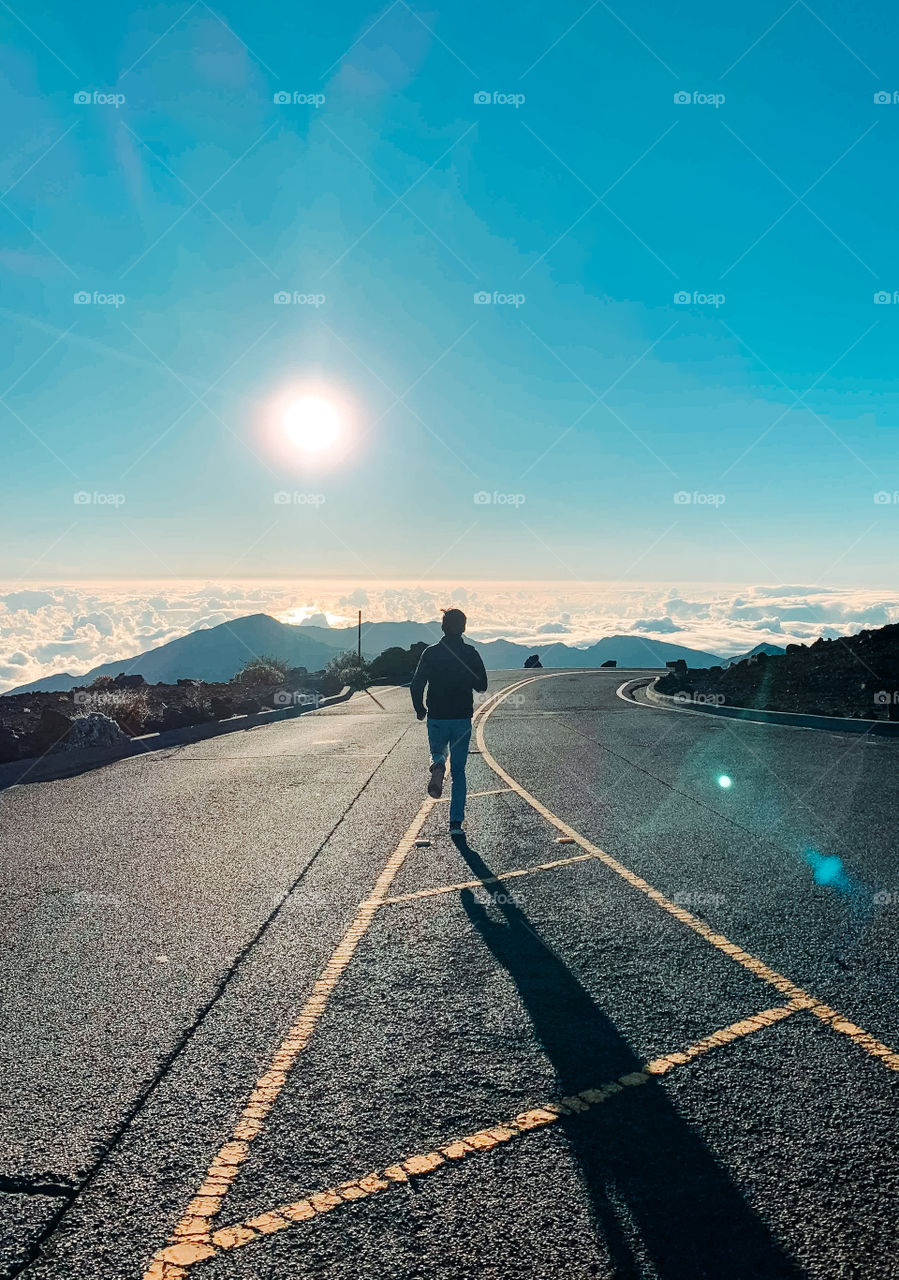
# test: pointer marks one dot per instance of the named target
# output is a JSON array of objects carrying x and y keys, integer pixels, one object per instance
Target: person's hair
[{"x": 453, "y": 623}]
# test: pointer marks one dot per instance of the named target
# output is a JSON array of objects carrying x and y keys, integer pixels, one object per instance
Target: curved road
[{"x": 264, "y": 1019}]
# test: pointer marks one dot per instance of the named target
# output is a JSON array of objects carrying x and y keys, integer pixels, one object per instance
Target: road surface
[{"x": 263, "y": 1018}]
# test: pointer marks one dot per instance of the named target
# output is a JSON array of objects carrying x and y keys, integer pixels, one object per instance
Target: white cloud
[
  {"x": 656, "y": 626},
  {"x": 75, "y": 628},
  {"x": 29, "y": 600}
]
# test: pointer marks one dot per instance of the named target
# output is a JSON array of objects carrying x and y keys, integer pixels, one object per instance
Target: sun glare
[{"x": 312, "y": 424}]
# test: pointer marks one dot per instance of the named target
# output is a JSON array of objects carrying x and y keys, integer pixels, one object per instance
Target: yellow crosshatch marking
[
  {"x": 194, "y": 1239},
  {"x": 486, "y": 1139},
  {"x": 756, "y": 966},
  {"x": 192, "y": 1232},
  {"x": 473, "y": 884}
]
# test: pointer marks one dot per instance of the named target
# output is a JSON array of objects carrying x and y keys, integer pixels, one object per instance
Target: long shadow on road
[{"x": 657, "y": 1194}]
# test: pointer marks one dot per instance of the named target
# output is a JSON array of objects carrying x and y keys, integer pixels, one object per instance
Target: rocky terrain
[
  {"x": 111, "y": 710},
  {"x": 855, "y": 676}
]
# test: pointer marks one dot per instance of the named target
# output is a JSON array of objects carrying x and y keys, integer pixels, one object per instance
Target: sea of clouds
[{"x": 76, "y": 627}]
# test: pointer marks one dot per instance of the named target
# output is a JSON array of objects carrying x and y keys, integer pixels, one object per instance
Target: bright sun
[{"x": 312, "y": 424}]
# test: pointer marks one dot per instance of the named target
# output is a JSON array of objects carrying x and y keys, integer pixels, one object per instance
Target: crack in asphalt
[{"x": 73, "y": 1193}]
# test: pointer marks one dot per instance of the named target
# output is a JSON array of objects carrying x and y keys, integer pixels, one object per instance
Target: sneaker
[
  {"x": 455, "y": 828},
  {"x": 435, "y": 786}
]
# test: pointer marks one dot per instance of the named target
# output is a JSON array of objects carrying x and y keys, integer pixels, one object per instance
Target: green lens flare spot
[{"x": 725, "y": 781}]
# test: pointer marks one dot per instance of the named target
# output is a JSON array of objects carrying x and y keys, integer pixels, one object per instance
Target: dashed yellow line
[
  {"x": 417, "y": 1166},
  {"x": 190, "y": 1239},
  {"x": 843, "y": 1025}
]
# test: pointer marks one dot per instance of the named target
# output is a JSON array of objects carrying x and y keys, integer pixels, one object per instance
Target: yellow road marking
[
  {"x": 869, "y": 1043},
  {"x": 193, "y": 1240},
  {"x": 473, "y": 884},
  {"x": 189, "y": 1242},
  {"x": 317, "y": 1203}
]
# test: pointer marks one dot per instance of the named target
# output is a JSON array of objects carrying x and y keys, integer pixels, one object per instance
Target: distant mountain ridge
[
  {"x": 218, "y": 653},
  {"x": 772, "y": 650},
  {"x": 213, "y": 654}
]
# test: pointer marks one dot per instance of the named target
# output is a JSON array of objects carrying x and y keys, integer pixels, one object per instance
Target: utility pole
[{"x": 359, "y": 653}]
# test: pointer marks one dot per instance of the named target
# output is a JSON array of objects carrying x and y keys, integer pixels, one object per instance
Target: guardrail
[
  {"x": 797, "y": 719},
  {"x": 63, "y": 764}
]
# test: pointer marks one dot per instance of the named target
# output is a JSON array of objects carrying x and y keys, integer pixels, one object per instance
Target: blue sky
[{"x": 594, "y": 201}]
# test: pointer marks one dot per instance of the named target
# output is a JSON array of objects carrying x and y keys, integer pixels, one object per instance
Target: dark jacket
[{"x": 452, "y": 670}]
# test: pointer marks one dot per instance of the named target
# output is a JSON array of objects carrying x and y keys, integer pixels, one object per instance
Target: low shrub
[
  {"x": 263, "y": 670},
  {"x": 128, "y": 707}
]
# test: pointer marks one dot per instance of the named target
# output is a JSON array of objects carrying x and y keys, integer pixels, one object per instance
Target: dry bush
[
  {"x": 262, "y": 670},
  {"x": 128, "y": 707}
]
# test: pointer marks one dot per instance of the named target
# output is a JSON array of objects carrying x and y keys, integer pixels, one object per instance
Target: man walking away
[{"x": 452, "y": 671}]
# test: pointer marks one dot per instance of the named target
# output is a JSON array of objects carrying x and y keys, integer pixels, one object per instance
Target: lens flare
[{"x": 725, "y": 781}]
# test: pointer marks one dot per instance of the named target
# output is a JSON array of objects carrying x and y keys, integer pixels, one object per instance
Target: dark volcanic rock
[
  {"x": 173, "y": 718},
  {"x": 856, "y": 676},
  {"x": 93, "y": 731},
  {"x": 53, "y": 725},
  {"x": 248, "y": 707},
  {"x": 32, "y": 723},
  {"x": 124, "y": 681}
]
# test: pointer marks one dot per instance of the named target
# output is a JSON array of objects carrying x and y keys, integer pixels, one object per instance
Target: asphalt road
[{"x": 254, "y": 1027}]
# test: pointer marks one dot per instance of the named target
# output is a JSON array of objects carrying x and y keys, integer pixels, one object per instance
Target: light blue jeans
[{"x": 455, "y": 735}]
